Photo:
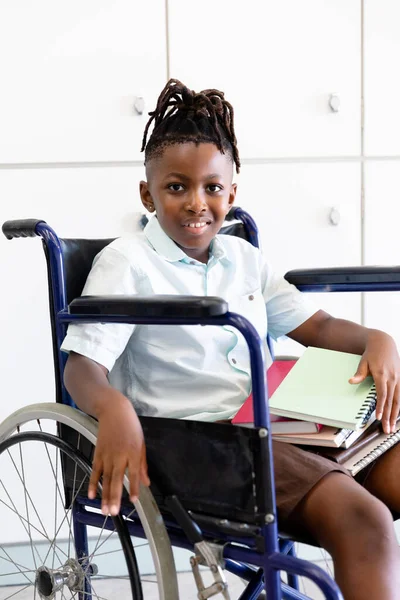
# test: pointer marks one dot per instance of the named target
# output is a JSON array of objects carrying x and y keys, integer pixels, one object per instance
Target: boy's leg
[
  {"x": 383, "y": 480},
  {"x": 357, "y": 530}
]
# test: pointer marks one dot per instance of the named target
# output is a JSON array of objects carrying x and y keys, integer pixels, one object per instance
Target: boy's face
[{"x": 190, "y": 188}]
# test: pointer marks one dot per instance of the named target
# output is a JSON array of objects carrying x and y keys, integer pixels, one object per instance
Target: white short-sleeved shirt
[{"x": 192, "y": 372}]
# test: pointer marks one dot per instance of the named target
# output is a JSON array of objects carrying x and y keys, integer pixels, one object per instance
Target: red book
[{"x": 275, "y": 375}]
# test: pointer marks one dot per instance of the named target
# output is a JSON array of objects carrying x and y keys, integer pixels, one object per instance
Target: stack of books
[{"x": 312, "y": 403}]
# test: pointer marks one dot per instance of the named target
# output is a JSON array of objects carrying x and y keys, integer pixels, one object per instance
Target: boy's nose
[{"x": 196, "y": 204}]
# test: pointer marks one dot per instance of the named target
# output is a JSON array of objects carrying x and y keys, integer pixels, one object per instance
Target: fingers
[
  {"x": 115, "y": 491},
  {"x": 388, "y": 400},
  {"x": 395, "y": 408},
  {"x": 137, "y": 474},
  {"x": 144, "y": 478},
  {"x": 361, "y": 373},
  {"x": 113, "y": 480},
  {"x": 105, "y": 494},
  {"x": 134, "y": 479},
  {"x": 97, "y": 469},
  {"x": 109, "y": 467},
  {"x": 388, "y": 403},
  {"x": 387, "y": 409},
  {"x": 112, "y": 476},
  {"x": 380, "y": 385}
]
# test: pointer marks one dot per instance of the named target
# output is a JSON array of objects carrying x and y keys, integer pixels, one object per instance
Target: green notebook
[{"x": 317, "y": 389}]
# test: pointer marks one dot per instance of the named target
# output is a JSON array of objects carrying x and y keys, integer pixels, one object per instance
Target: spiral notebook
[
  {"x": 317, "y": 389},
  {"x": 372, "y": 448}
]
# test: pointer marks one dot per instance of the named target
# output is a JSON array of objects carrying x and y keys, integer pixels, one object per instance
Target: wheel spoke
[
  {"x": 18, "y": 565},
  {"x": 58, "y": 491},
  {"x": 22, "y": 519},
  {"x": 119, "y": 550},
  {"x": 19, "y": 591},
  {"x": 45, "y": 535},
  {"x": 89, "y": 558},
  {"x": 98, "y": 546},
  {"x": 62, "y": 522},
  {"x": 55, "y": 508},
  {"x": 93, "y": 591},
  {"x": 73, "y": 492},
  {"x": 16, "y": 572},
  {"x": 23, "y": 572},
  {"x": 26, "y": 506},
  {"x": 30, "y": 499},
  {"x": 34, "y": 528}
]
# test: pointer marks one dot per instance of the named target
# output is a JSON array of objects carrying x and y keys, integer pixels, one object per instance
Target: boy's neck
[{"x": 200, "y": 255}]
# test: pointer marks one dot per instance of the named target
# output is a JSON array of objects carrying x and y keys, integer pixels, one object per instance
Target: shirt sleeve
[
  {"x": 111, "y": 274},
  {"x": 287, "y": 307}
]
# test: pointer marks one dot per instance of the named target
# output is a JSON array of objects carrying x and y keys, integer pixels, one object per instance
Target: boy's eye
[
  {"x": 214, "y": 187},
  {"x": 175, "y": 187}
]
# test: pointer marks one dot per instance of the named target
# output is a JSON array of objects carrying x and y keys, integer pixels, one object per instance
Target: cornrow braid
[{"x": 182, "y": 115}]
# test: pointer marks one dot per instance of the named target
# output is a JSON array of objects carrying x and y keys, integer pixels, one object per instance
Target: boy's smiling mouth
[{"x": 196, "y": 226}]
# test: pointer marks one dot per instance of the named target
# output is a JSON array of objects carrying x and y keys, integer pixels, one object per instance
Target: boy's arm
[
  {"x": 379, "y": 357},
  {"x": 120, "y": 443}
]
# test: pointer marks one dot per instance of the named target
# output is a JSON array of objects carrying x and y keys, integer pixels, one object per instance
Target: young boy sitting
[{"x": 116, "y": 372}]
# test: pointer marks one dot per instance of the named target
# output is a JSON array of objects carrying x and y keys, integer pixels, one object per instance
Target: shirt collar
[
  {"x": 167, "y": 248},
  {"x": 218, "y": 251},
  {"x": 161, "y": 242}
]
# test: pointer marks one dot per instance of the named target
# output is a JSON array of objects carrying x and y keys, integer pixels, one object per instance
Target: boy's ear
[
  {"x": 145, "y": 196},
  {"x": 232, "y": 195}
]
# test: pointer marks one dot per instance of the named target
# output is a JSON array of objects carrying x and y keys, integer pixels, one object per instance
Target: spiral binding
[
  {"x": 383, "y": 447},
  {"x": 367, "y": 407}
]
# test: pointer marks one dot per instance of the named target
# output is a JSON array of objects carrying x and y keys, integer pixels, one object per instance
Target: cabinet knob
[
  {"x": 138, "y": 105},
  {"x": 334, "y": 102},
  {"x": 334, "y": 216}
]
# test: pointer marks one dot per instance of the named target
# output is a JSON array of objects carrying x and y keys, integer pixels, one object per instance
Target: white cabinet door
[
  {"x": 382, "y": 241},
  {"x": 90, "y": 202},
  {"x": 293, "y": 206},
  {"x": 382, "y": 83},
  {"x": 278, "y": 64},
  {"x": 70, "y": 76}
]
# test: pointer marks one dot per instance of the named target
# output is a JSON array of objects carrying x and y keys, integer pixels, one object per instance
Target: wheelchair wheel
[{"x": 56, "y": 544}]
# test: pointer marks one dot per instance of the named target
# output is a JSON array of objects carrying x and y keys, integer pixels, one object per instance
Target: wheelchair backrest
[
  {"x": 78, "y": 255},
  {"x": 78, "y": 258}
]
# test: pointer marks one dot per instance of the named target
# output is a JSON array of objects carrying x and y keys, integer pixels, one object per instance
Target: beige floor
[
  {"x": 110, "y": 590},
  {"x": 236, "y": 587}
]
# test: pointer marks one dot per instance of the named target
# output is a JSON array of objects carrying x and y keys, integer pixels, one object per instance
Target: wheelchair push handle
[
  {"x": 231, "y": 214},
  {"x": 21, "y": 228}
]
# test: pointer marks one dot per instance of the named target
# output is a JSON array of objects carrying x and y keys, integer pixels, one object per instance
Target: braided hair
[{"x": 182, "y": 116}]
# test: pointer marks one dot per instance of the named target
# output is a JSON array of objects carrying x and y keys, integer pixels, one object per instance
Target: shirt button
[
  {"x": 251, "y": 297},
  {"x": 234, "y": 361}
]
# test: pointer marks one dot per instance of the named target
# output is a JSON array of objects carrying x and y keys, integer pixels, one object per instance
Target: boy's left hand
[{"x": 382, "y": 361}]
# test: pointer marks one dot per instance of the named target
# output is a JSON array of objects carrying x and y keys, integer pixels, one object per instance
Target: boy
[{"x": 115, "y": 372}]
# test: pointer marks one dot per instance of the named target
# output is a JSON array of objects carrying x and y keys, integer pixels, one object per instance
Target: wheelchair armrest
[
  {"x": 346, "y": 279},
  {"x": 21, "y": 228},
  {"x": 150, "y": 306}
]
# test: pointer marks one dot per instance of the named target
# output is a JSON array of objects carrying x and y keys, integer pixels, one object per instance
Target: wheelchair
[{"x": 212, "y": 489}]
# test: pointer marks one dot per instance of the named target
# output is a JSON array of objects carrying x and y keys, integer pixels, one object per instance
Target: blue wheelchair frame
[{"x": 261, "y": 570}]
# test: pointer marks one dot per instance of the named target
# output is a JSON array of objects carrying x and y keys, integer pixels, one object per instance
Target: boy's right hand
[{"x": 120, "y": 447}]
